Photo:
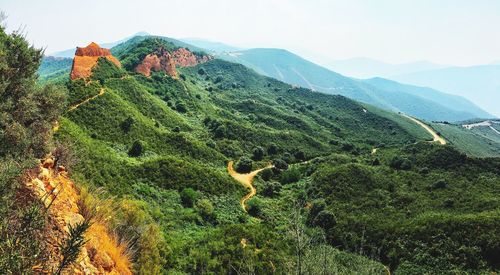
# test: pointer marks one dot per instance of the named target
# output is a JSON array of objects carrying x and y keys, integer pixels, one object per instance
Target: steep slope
[
  {"x": 479, "y": 83},
  {"x": 292, "y": 69},
  {"x": 101, "y": 253}
]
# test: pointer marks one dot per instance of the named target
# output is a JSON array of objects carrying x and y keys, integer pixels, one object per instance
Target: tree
[
  {"x": 244, "y": 165},
  {"x": 325, "y": 219},
  {"x": 27, "y": 111},
  {"x": 271, "y": 188},
  {"x": 266, "y": 174},
  {"x": 254, "y": 207},
  {"x": 137, "y": 149},
  {"x": 280, "y": 164},
  {"x": 126, "y": 125},
  {"x": 257, "y": 153},
  {"x": 188, "y": 197},
  {"x": 205, "y": 209},
  {"x": 299, "y": 155},
  {"x": 272, "y": 149}
]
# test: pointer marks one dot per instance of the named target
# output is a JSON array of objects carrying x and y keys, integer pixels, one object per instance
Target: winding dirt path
[
  {"x": 75, "y": 106},
  {"x": 246, "y": 180},
  {"x": 435, "y": 136}
]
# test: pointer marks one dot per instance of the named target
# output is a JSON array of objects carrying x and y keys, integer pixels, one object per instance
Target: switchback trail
[
  {"x": 435, "y": 136},
  {"x": 246, "y": 180}
]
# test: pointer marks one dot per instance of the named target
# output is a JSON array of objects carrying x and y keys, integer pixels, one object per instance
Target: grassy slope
[{"x": 470, "y": 142}]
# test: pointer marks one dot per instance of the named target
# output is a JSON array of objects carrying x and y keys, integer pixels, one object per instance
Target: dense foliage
[{"x": 26, "y": 116}]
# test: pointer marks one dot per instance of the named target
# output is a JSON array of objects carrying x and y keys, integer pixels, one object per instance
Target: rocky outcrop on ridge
[
  {"x": 163, "y": 60},
  {"x": 86, "y": 58}
]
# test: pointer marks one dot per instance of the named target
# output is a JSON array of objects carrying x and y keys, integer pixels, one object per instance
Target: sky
[{"x": 451, "y": 32}]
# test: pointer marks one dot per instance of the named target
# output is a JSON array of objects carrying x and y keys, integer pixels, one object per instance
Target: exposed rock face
[
  {"x": 86, "y": 58},
  {"x": 162, "y": 60},
  {"x": 101, "y": 254},
  {"x": 185, "y": 58}
]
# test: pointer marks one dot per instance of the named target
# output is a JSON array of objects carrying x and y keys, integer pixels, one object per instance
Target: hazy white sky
[{"x": 454, "y": 32}]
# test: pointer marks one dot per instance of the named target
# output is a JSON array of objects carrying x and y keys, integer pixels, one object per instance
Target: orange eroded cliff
[
  {"x": 101, "y": 254},
  {"x": 86, "y": 58}
]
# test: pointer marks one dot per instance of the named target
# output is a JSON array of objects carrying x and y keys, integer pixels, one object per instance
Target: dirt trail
[
  {"x": 435, "y": 136},
  {"x": 75, "y": 106},
  {"x": 246, "y": 180}
]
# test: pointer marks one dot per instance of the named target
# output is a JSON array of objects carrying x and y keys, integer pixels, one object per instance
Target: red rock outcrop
[
  {"x": 162, "y": 60},
  {"x": 185, "y": 58},
  {"x": 86, "y": 58}
]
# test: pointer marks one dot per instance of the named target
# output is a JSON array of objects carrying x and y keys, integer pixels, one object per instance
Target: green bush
[
  {"x": 188, "y": 197},
  {"x": 244, "y": 165},
  {"x": 137, "y": 149},
  {"x": 254, "y": 207},
  {"x": 257, "y": 153}
]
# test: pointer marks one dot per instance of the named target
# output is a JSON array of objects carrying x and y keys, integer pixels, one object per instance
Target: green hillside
[
  {"x": 476, "y": 142},
  {"x": 188, "y": 129},
  {"x": 155, "y": 152}
]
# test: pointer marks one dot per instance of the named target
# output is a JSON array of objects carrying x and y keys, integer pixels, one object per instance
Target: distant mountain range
[
  {"x": 420, "y": 102},
  {"x": 361, "y": 67},
  {"x": 480, "y": 84}
]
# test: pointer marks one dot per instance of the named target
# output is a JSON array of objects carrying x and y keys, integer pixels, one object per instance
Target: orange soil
[
  {"x": 246, "y": 180},
  {"x": 86, "y": 58},
  {"x": 102, "y": 254}
]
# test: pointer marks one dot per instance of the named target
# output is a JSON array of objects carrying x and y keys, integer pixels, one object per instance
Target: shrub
[
  {"x": 299, "y": 155},
  {"x": 266, "y": 174},
  {"x": 205, "y": 209},
  {"x": 137, "y": 149},
  {"x": 254, "y": 207},
  {"x": 271, "y": 188},
  {"x": 325, "y": 219},
  {"x": 244, "y": 165},
  {"x": 272, "y": 149},
  {"x": 188, "y": 197},
  {"x": 180, "y": 107},
  {"x": 257, "y": 153},
  {"x": 72, "y": 246},
  {"x": 126, "y": 125},
  {"x": 280, "y": 164},
  {"x": 290, "y": 176}
]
